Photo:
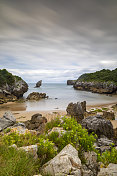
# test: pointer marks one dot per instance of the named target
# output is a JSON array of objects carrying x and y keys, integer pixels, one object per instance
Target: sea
[{"x": 61, "y": 94}]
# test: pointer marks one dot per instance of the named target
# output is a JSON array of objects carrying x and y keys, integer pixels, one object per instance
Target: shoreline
[{"x": 21, "y": 115}]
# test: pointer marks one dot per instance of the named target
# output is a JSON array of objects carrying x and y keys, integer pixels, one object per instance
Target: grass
[{"x": 17, "y": 162}]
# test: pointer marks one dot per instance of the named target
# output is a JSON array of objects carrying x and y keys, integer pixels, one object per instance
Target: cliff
[
  {"x": 11, "y": 86},
  {"x": 104, "y": 81}
]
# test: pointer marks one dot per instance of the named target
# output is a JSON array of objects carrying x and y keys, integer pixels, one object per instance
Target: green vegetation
[
  {"x": 6, "y": 77},
  {"x": 46, "y": 150},
  {"x": 20, "y": 139},
  {"x": 100, "y": 76},
  {"x": 16, "y": 162},
  {"x": 108, "y": 157}
]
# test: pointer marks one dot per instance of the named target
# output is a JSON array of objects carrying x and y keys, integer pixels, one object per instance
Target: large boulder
[
  {"x": 38, "y": 84},
  {"x": 37, "y": 122},
  {"x": 7, "y": 120},
  {"x": 36, "y": 96},
  {"x": 66, "y": 162},
  {"x": 77, "y": 110},
  {"x": 111, "y": 170},
  {"x": 98, "y": 125}
]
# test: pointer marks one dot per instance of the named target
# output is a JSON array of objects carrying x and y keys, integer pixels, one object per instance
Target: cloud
[{"x": 57, "y": 40}]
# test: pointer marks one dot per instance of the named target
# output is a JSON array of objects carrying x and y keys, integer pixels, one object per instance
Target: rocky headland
[
  {"x": 104, "y": 81},
  {"x": 11, "y": 87}
]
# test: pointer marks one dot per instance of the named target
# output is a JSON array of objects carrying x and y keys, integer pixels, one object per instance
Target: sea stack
[{"x": 38, "y": 84}]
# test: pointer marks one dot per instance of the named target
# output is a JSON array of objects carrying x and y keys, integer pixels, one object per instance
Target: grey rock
[
  {"x": 65, "y": 162},
  {"x": 91, "y": 167},
  {"x": 7, "y": 120},
  {"x": 71, "y": 82},
  {"x": 32, "y": 149},
  {"x": 111, "y": 170},
  {"x": 36, "y": 96},
  {"x": 38, "y": 84},
  {"x": 77, "y": 110},
  {"x": 57, "y": 129},
  {"x": 98, "y": 125}
]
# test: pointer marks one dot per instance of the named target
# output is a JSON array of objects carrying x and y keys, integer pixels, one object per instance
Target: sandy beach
[{"x": 20, "y": 113}]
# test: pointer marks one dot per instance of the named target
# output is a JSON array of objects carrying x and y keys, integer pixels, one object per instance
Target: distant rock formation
[
  {"x": 71, "y": 82},
  {"x": 103, "y": 81},
  {"x": 11, "y": 87},
  {"x": 96, "y": 87},
  {"x": 36, "y": 96},
  {"x": 38, "y": 84}
]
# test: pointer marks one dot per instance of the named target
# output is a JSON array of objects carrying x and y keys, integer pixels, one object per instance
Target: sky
[{"x": 57, "y": 40}]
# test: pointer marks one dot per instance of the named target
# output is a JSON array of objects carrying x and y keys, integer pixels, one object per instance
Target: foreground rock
[
  {"x": 7, "y": 120},
  {"x": 36, "y": 96},
  {"x": 38, "y": 84},
  {"x": 98, "y": 125},
  {"x": 66, "y": 162},
  {"x": 96, "y": 87},
  {"x": 37, "y": 122},
  {"x": 111, "y": 170},
  {"x": 77, "y": 110},
  {"x": 71, "y": 82},
  {"x": 91, "y": 167}
]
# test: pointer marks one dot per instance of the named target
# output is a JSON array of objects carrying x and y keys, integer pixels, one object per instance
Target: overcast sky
[{"x": 56, "y": 40}]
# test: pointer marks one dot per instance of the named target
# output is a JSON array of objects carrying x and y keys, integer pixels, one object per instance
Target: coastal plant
[
  {"x": 53, "y": 123},
  {"x": 15, "y": 162},
  {"x": 46, "y": 150},
  {"x": 75, "y": 135},
  {"x": 20, "y": 139},
  {"x": 108, "y": 157}
]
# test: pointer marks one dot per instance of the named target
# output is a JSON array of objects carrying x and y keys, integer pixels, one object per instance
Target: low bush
[
  {"x": 108, "y": 157},
  {"x": 16, "y": 162}
]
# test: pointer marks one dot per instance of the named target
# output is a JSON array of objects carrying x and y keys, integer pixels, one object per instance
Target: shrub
[
  {"x": 16, "y": 162},
  {"x": 108, "y": 157},
  {"x": 46, "y": 150},
  {"x": 75, "y": 135}
]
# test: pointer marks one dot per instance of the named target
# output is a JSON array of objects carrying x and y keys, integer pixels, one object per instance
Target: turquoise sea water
[{"x": 60, "y": 95}]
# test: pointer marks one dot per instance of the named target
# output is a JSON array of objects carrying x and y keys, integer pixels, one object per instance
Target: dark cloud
[{"x": 55, "y": 40}]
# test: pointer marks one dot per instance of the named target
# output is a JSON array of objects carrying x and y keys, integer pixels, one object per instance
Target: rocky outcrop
[
  {"x": 108, "y": 115},
  {"x": 96, "y": 87},
  {"x": 71, "y": 82},
  {"x": 38, "y": 84},
  {"x": 11, "y": 87},
  {"x": 98, "y": 125},
  {"x": 77, "y": 110},
  {"x": 36, "y": 96},
  {"x": 19, "y": 88},
  {"x": 37, "y": 122},
  {"x": 66, "y": 162},
  {"x": 7, "y": 120},
  {"x": 111, "y": 170},
  {"x": 103, "y": 144}
]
